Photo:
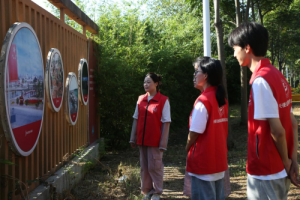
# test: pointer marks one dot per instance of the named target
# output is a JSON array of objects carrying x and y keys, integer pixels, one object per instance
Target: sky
[
  {"x": 29, "y": 62},
  {"x": 119, "y": 3},
  {"x": 42, "y": 3}
]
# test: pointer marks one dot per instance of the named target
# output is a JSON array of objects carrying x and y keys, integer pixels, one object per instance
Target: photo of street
[
  {"x": 56, "y": 79},
  {"x": 56, "y": 74},
  {"x": 85, "y": 80},
  {"x": 25, "y": 80},
  {"x": 73, "y": 96}
]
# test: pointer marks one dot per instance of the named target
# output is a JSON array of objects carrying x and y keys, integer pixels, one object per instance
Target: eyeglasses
[{"x": 196, "y": 72}]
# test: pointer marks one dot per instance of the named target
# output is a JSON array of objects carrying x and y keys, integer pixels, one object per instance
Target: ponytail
[
  {"x": 213, "y": 68},
  {"x": 220, "y": 95},
  {"x": 159, "y": 78}
]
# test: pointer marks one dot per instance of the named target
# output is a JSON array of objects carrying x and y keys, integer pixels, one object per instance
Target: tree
[
  {"x": 283, "y": 26},
  {"x": 166, "y": 41},
  {"x": 266, "y": 6},
  {"x": 243, "y": 76},
  {"x": 221, "y": 57}
]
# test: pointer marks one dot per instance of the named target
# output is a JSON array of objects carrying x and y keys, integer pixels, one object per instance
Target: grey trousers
[
  {"x": 152, "y": 170},
  {"x": 267, "y": 189},
  {"x": 207, "y": 190}
]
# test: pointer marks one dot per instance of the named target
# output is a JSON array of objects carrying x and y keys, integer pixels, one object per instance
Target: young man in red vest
[{"x": 272, "y": 127}]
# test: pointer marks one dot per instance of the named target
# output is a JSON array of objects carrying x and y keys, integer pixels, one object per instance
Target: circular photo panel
[
  {"x": 22, "y": 88},
  {"x": 83, "y": 81},
  {"x": 54, "y": 80},
  {"x": 72, "y": 104}
]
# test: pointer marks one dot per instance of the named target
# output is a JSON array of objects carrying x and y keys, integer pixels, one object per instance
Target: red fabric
[
  {"x": 27, "y": 135},
  {"x": 57, "y": 102},
  {"x": 94, "y": 122},
  {"x": 73, "y": 117},
  {"x": 209, "y": 153},
  {"x": 13, "y": 64},
  {"x": 149, "y": 120},
  {"x": 263, "y": 157}
]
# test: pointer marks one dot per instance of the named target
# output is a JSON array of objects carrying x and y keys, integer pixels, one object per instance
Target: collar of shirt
[{"x": 262, "y": 63}]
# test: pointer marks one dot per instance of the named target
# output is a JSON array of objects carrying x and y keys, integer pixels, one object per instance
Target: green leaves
[
  {"x": 164, "y": 42},
  {"x": 6, "y": 162}
]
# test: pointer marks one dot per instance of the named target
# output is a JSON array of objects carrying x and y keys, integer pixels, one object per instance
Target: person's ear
[{"x": 248, "y": 48}]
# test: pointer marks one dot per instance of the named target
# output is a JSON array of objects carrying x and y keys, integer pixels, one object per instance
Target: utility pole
[{"x": 206, "y": 28}]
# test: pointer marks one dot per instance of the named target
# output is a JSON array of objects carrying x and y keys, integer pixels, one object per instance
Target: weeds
[{"x": 103, "y": 180}]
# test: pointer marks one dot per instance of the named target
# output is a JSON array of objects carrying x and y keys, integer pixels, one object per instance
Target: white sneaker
[
  {"x": 155, "y": 197},
  {"x": 147, "y": 197}
]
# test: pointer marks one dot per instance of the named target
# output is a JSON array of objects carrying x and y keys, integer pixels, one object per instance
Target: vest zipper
[
  {"x": 194, "y": 149},
  {"x": 257, "y": 142},
  {"x": 145, "y": 122}
]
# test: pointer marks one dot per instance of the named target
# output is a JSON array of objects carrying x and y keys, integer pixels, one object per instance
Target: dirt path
[{"x": 102, "y": 181}]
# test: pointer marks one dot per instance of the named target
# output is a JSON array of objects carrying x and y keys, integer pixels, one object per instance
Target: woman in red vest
[
  {"x": 150, "y": 131},
  {"x": 208, "y": 130}
]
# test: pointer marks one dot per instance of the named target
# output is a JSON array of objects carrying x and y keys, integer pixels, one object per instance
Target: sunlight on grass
[{"x": 102, "y": 182}]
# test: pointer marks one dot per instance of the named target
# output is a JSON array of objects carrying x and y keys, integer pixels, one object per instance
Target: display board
[
  {"x": 83, "y": 81},
  {"x": 72, "y": 103},
  {"x": 54, "y": 80},
  {"x": 21, "y": 88}
]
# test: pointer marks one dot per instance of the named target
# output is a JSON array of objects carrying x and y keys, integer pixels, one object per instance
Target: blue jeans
[{"x": 207, "y": 190}]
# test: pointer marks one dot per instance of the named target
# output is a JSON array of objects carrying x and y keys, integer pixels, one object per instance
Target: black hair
[
  {"x": 252, "y": 34},
  {"x": 156, "y": 79},
  {"x": 213, "y": 68}
]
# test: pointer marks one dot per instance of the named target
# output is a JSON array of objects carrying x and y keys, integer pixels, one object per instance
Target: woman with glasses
[
  {"x": 208, "y": 130},
  {"x": 150, "y": 131}
]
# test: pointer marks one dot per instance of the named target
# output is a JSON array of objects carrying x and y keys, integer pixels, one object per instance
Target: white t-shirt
[
  {"x": 265, "y": 106},
  {"x": 166, "y": 113},
  {"x": 198, "y": 125}
]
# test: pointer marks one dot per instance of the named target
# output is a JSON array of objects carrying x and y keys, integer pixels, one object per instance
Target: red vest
[
  {"x": 149, "y": 120},
  {"x": 209, "y": 153},
  {"x": 263, "y": 157}
]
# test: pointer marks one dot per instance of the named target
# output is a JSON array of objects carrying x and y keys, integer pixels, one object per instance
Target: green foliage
[
  {"x": 283, "y": 26},
  {"x": 129, "y": 48},
  {"x": 165, "y": 38},
  {"x": 6, "y": 162},
  {"x": 297, "y": 90},
  {"x": 89, "y": 164}
]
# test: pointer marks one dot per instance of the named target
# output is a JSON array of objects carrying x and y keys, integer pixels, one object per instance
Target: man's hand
[
  {"x": 287, "y": 166},
  {"x": 187, "y": 149},
  {"x": 161, "y": 150},
  {"x": 294, "y": 171},
  {"x": 192, "y": 137},
  {"x": 132, "y": 145},
  {"x": 294, "y": 174}
]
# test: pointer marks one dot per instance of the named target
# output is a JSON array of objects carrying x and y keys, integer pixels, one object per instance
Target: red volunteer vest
[
  {"x": 149, "y": 120},
  {"x": 263, "y": 157},
  {"x": 209, "y": 153}
]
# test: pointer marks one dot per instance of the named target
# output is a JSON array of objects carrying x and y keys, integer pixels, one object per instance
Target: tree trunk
[
  {"x": 261, "y": 17},
  {"x": 247, "y": 11},
  {"x": 253, "y": 12},
  {"x": 221, "y": 57},
  {"x": 280, "y": 65},
  {"x": 243, "y": 73},
  {"x": 237, "y": 13}
]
